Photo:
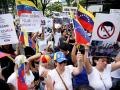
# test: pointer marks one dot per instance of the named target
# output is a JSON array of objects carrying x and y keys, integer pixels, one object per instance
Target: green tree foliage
[
  {"x": 68, "y": 2},
  {"x": 57, "y": 6},
  {"x": 7, "y": 6},
  {"x": 82, "y": 2}
]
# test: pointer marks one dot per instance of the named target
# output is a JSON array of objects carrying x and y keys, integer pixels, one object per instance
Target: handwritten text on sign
[
  {"x": 30, "y": 22},
  {"x": 7, "y": 30}
]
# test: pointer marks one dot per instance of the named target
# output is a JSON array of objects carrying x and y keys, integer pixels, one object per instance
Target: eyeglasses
[
  {"x": 63, "y": 62},
  {"x": 36, "y": 62}
]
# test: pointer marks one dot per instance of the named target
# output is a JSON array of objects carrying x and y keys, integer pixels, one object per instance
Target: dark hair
[
  {"x": 50, "y": 49},
  {"x": 10, "y": 50},
  {"x": 29, "y": 51},
  {"x": 11, "y": 86},
  {"x": 85, "y": 87},
  {"x": 116, "y": 46},
  {"x": 64, "y": 46},
  {"x": 97, "y": 58},
  {"x": 63, "y": 30},
  {"x": 4, "y": 85}
]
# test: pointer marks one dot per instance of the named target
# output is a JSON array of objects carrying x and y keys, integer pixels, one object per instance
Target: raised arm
[
  {"x": 87, "y": 63},
  {"x": 34, "y": 36},
  {"x": 73, "y": 54},
  {"x": 117, "y": 64},
  {"x": 80, "y": 64},
  {"x": 34, "y": 57}
]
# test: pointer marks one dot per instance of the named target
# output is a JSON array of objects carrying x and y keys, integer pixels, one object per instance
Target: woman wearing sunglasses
[{"x": 60, "y": 78}]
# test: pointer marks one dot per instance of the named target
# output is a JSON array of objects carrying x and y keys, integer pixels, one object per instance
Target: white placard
[
  {"x": 7, "y": 30},
  {"x": 114, "y": 10},
  {"x": 70, "y": 9},
  {"x": 38, "y": 12},
  {"x": 49, "y": 22},
  {"x": 106, "y": 27},
  {"x": 55, "y": 14},
  {"x": 95, "y": 8},
  {"x": 30, "y": 22}
]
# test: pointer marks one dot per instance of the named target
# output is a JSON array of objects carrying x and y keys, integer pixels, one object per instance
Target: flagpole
[{"x": 86, "y": 4}]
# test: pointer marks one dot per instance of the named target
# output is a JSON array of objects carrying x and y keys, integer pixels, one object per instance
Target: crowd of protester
[{"x": 62, "y": 65}]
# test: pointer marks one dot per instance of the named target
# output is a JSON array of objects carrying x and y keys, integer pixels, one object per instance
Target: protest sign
[
  {"x": 30, "y": 22},
  {"x": 115, "y": 11},
  {"x": 105, "y": 34},
  {"x": 7, "y": 30},
  {"x": 70, "y": 9},
  {"x": 95, "y": 8},
  {"x": 106, "y": 27},
  {"x": 49, "y": 22}
]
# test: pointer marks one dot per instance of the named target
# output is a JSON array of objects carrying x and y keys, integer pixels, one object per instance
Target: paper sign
[
  {"x": 30, "y": 22},
  {"x": 106, "y": 27},
  {"x": 7, "y": 30}
]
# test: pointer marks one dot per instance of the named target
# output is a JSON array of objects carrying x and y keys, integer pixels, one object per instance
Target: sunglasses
[
  {"x": 36, "y": 62},
  {"x": 63, "y": 62}
]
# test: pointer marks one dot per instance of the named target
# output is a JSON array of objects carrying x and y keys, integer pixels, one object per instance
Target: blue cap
[{"x": 59, "y": 57}]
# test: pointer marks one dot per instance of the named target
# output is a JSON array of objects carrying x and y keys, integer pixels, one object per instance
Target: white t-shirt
[
  {"x": 116, "y": 73},
  {"x": 56, "y": 38},
  {"x": 66, "y": 76},
  {"x": 100, "y": 80},
  {"x": 13, "y": 79}
]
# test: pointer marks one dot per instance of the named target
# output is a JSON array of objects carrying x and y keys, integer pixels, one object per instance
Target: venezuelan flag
[
  {"x": 21, "y": 37},
  {"x": 25, "y": 39},
  {"x": 85, "y": 18},
  {"x": 21, "y": 80},
  {"x": 31, "y": 43},
  {"x": 24, "y": 6},
  {"x": 81, "y": 36},
  {"x": 37, "y": 48}
]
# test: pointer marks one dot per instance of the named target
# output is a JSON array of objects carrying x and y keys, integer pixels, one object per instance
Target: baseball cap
[
  {"x": 59, "y": 57},
  {"x": 20, "y": 59}
]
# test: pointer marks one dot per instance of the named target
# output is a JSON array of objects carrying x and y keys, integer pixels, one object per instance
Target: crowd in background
[{"x": 60, "y": 63}]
